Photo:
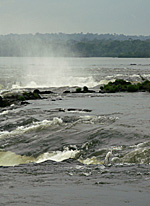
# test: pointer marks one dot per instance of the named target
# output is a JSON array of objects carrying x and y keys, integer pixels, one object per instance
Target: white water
[
  {"x": 29, "y": 72},
  {"x": 35, "y": 126}
]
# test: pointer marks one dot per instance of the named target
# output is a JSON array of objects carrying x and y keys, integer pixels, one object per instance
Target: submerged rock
[{"x": 37, "y": 91}]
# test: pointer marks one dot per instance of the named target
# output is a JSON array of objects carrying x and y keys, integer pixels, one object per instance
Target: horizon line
[{"x": 58, "y": 33}]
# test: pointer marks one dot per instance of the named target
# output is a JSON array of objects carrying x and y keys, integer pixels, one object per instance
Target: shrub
[
  {"x": 21, "y": 98},
  {"x": 121, "y": 82},
  {"x": 36, "y": 96},
  {"x": 146, "y": 85},
  {"x": 85, "y": 89},
  {"x": 132, "y": 88},
  {"x": 111, "y": 89},
  {"x": 78, "y": 90}
]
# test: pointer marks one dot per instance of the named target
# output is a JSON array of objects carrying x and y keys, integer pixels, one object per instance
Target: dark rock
[
  {"x": 24, "y": 103},
  {"x": 65, "y": 92},
  {"x": 46, "y": 92},
  {"x": 4, "y": 102},
  {"x": 37, "y": 91}
]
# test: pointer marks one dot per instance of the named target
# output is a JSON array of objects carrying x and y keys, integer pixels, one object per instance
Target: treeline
[
  {"x": 74, "y": 45},
  {"x": 113, "y": 48}
]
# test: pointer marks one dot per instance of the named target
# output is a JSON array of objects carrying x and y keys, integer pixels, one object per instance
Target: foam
[
  {"x": 97, "y": 119},
  {"x": 4, "y": 113},
  {"x": 11, "y": 159},
  {"x": 35, "y": 126},
  {"x": 57, "y": 156}
]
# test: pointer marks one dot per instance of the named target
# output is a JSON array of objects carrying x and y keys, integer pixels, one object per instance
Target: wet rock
[
  {"x": 37, "y": 91},
  {"x": 14, "y": 98},
  {"x": 24, "y": 103},
  {"x": 83, "y": 90},
  {"x": 65, "y": 92},
  {"x": 4, "y": 103}
]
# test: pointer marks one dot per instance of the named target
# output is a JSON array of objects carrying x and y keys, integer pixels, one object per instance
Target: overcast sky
[{"x": 75, "y": 16}]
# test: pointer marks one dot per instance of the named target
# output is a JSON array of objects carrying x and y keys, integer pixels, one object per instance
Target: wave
[
  {"x": 4, "y": 112},
  {"x": 58, "y": 156},
  {"x": 63, "y": 81},
  {"x": 120, "y": 155},
  {"x": 35, "y": 126},
  {"x": 12, "y": 159},
  {"x": 112, "y": 156}
]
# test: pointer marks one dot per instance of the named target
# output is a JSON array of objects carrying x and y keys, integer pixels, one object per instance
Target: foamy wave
[
  {"x": 138, "y": 156},
  {"x": 91, "y": 161},
  {"x": 63, "y": 81},
  {"x": 97, "y": 119},
  {"x": 35, "y": 126},
  {"x": 105, "y": 81},
  {"x": 11, "y": 159},
  {"x": 57, "y": 156},
  {"x": 4, "y": 113}
]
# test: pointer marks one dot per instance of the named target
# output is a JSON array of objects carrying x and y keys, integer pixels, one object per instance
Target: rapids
[{"x": 69, "y": 142}]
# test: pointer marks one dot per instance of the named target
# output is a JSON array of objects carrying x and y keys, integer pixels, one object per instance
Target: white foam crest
[
  {"x": 57, "y": 156},
  {"x": 96, "y": 119},
  {"x": 4, "y": 113},
  {"x": 104, "y": 81},
  {"x": 8, "y": 158},
  {"x": 91, "y": 161},
  {"x": 139, "y": 155},
  {"x": 11, "y": 159},
  {"x": 63, "y": 81},
  {"x": 36, "y": 125}
]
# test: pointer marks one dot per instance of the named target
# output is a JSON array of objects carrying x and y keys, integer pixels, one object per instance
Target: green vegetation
[
  {"x": 21, "y": 98},
  {"x": 78, "y": 90},
  {"x": 9, "y": 99},
  {"x": 121, "y": 85},
  {"x": 112, "y": 48},
  {"x": 83, "y": 90},
  {"x": 82, "y": 45}
]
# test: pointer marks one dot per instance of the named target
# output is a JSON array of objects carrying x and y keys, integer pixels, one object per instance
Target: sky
[{"x": 129, "y": 17}]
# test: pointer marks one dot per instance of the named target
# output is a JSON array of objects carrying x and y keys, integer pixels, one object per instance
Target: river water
[{"x": 74, "y": 149}]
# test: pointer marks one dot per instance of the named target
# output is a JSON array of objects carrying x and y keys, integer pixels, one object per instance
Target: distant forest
[{"x": 74, "y": 45}]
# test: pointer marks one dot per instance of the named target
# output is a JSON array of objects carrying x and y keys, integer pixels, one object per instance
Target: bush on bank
[{"x": 121, "y": 85}]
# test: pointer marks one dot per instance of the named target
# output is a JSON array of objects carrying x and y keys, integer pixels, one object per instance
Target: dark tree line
[{"x": 78, "y": 45}]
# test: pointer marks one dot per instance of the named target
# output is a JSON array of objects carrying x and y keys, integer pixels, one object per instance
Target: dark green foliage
[
  {"x": 78, "y": 90},
  {"x": 146, "y": 85},
  {"x": 121, "y": 82},
  {"x": 132, "y": 88},
  {"x": 121, "y": 85},
  {"x": 21, "y": 98},
  {"x": 88, "y": 45},
  {"x": 85, "y": 89},
  {"x": 36, "y": 96}
]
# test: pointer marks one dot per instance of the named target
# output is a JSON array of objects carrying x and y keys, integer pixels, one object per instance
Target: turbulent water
[{"x": 74, "y": 149}]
